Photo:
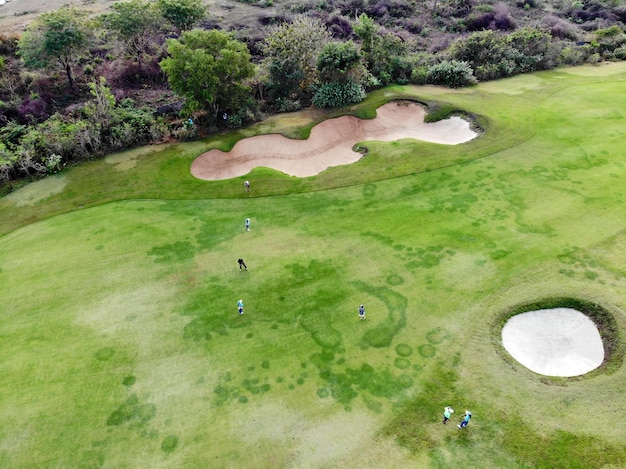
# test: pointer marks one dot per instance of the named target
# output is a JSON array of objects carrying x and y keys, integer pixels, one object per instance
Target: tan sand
[
  {"x": 554, "y": 342},
  {"x": 330, "y": 143}
]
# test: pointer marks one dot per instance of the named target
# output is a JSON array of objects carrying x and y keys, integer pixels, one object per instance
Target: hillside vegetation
[{"x": 94, "y": 77}]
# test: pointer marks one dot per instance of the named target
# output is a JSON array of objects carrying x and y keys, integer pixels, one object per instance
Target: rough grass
[{"x": 122, "y": 347}]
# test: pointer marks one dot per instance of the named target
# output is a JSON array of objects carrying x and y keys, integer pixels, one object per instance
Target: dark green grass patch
[
  {"x": 131, "y": 411},
  {"x": 120, "y": 335},
  {"x": 169, "y": 443}
]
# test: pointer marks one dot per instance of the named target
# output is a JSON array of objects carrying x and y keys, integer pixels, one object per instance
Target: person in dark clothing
[{"x": 242, "y": 264}]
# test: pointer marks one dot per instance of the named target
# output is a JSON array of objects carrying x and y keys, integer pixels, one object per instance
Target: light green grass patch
[
  {"x": 37, "y": 191},
  {"x": 128, "y": 159},
  {"x": 122, "y": 345}
]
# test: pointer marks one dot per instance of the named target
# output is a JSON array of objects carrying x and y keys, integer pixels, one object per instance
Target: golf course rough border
[{"x": 604, "y": 320}]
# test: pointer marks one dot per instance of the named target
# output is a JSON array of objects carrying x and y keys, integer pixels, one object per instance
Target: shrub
[
  {"x": 419, "y": 75},
  {"x": 287, "y": 105},
  {"x": 339, "y": 26},
  {"x": 8, "y": 43},
  {"x": 560, "y": 28},
  {"x": 497, "y": 18},
  {"x": 503, "y": 20},
  {"x": 33, "y": 110},
  {"x": 52, "y": 163},
  {"x": 351, "y": 8},
  {"x": 594, "y": 59},
  {"x": 451, "y": 73},
  {"x": 620, "y": 53},
  {"x": 134, "y": 74},
  {"x": 338, "y": 94},
  {"x": 573, "y": 55}
]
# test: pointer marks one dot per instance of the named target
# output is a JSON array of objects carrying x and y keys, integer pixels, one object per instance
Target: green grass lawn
[{"x": 121, "y": 345}]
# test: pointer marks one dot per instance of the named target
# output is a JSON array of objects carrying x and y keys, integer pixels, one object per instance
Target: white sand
[
  {"x": 554, "y": 342},
  {"x": 330, "y": 143}
]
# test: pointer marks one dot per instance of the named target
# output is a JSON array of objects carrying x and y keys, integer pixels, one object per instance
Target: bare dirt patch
[{"x": 16, "y": 15}]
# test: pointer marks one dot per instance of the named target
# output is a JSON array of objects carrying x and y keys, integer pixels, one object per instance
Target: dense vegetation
[{"x": 74, "y": 87}]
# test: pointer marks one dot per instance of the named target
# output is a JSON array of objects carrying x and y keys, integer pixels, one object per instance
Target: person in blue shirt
[
  {"x": 240, "y": 307},
  {"x": 361, "y": 312},
  {"x": 466, "y": 419}
]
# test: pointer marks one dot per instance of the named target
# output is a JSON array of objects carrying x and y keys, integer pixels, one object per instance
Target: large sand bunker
[
  {"x": 554, "y": 342},
  {"x": 330, "y": 143}
]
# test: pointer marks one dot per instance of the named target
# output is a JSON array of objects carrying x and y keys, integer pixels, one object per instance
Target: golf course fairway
[{"x": 121, "y": 345}]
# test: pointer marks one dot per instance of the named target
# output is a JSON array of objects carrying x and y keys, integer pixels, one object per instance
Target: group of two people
[{"x": 448, "y": 411}]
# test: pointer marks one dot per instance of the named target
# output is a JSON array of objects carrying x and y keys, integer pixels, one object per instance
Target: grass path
[{"x": 121, "y": 344}]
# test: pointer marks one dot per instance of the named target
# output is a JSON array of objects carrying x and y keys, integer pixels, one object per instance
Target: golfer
[
  {"x": 361, "y": 312},
  {"x": 247, "y": 224},
  {"x": 447, "y": 411},
  {"x": 466, "y": 419},
  {"x": 242, "y": 264},
  {"x": 240, "y": 307},
  {"x": 247, "y": 186}
]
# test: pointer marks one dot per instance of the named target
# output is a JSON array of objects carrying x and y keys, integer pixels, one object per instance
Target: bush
[
  {"x": 451, "y": 73},
  {"x": 620, "y": 54},
  {"x": 338, "y": 94},
  {"x": 33, "y": 110},
  {"x": 287, "y": 105},
  {"x": 573, "y": 55},
  {"x": 340, "y": 27},
  {"x": 560, "y": 28},
  {"x": 419, "y": 75}
]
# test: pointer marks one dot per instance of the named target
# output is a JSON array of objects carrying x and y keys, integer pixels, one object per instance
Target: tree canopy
[
  {"x": 338, "y": 62},
  {"x": 57, "y": 37},
  {"x": 182, "y": 14},
  {"x": 298, "y": 42},
  {"x": 209, "y": 69},
  {"x": 134, "y": 22}
]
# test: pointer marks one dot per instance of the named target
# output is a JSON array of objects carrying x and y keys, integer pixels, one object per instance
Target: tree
[
  {"x": 341, "y": 73},
  {"x": 134, "y": 22},
  {"x": 383, "y": 54},
  {"x": 366, "y": 29},
  {"x": 59, "y": 37},
  {"x": 285, "y": 77},
  {"x": 339, "y": 62},
  {"x": 183, "y": 14},
  {"x": 209, "y": 69},
  {"x": 298, "y": 42},
  {"x": 7, "y": 164},
  {"x": 533, "y": 45},
  {"x": 487, "y": 53},
  {"x": 100, "y": 108}
]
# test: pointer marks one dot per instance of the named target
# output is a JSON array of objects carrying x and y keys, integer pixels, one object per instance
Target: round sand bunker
[{"x": 554, "y": 342}]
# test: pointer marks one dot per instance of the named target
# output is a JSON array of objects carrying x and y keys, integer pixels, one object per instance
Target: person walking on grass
[
  {"x": 240, "y": 307},
  {"x": 242, "y": 264},
  {"x": 361, "y": 312},
  {"x": 466, "y": 419},
  {"x": 447, "y": 412},
  {"x": 247, "y": 223},
  {"x": 246, "y": 185}
]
